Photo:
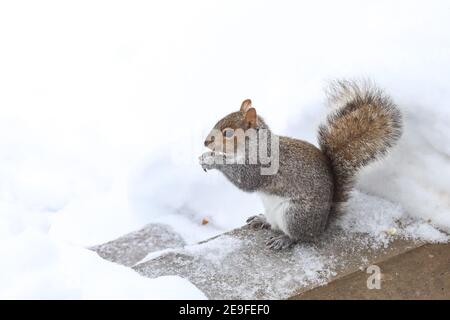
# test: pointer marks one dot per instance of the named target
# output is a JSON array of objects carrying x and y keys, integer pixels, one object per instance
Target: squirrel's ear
[
  {"x": 246, "y": 104},
  {"x": 251, "y": 118}
]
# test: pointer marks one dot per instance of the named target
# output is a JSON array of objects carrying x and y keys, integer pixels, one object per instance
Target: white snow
[
  {"x": 383, "y": 220},
  {"x": 214, "y": 250},
  {"x": 104, "y": 107},
  {"x": 35, "y": 266}
]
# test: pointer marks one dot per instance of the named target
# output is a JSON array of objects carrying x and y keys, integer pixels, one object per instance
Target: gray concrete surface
[
  {"x": 237, "y": 265},
  {"x": 131, "y": 248}
]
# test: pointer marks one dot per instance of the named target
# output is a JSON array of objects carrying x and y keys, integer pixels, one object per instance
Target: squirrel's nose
[{"x": 207, "y": 142}]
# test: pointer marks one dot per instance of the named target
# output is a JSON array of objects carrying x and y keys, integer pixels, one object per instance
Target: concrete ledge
[
  {"x": 237, "y": 265},
  {"x": 133, "y": 247},
  {"x": 423, "y": 273}
]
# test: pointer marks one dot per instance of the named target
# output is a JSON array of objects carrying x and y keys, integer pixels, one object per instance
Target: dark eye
[{"x": 228, "y": 133}]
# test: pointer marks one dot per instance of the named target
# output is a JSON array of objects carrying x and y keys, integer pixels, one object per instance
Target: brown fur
[{"x": 365, "y": 124}]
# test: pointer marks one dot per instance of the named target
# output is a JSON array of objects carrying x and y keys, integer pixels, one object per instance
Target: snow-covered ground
[{"x": 104, "y": 106}]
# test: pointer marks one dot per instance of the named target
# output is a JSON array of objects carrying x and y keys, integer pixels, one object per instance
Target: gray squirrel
[{"x": 310, "y": 185}]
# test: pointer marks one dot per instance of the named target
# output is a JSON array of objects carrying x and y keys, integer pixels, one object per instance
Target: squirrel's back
[{"x": 364, "y": 124}]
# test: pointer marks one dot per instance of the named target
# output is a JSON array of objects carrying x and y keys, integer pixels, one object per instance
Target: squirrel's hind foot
[
  {"x": 279, "y": 242},
  {"x": 258, "y": 222}
]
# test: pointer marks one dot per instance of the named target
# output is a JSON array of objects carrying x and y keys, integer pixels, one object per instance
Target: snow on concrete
[
  {"x": 237, "y": 265},
  {"x": 133, "y": 247},
  {"x": 101, "y": 122},
  {"x": 381, "y": 220}
]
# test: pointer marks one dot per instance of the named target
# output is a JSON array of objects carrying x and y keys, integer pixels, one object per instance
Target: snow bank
[
  {"x": 35, "y": 266},
  {"x": 104, "y": 107}
]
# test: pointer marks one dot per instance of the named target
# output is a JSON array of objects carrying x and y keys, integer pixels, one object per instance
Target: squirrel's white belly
[{"x": 275, "y": 207}]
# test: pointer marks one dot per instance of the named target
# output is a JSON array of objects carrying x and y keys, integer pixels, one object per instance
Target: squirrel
[{"x": 311, "y": 184}]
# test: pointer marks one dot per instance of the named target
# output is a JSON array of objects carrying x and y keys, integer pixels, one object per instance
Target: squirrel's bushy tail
[{"x": 364, "y": 124}]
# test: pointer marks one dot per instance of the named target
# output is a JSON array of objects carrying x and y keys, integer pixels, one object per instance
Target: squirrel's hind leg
[{"x": 303, "y": 222}]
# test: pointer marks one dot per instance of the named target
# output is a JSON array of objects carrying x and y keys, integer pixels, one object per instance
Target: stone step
[
  {"x": 133, "y": 247},
  {"x": 237, "y": 265}
]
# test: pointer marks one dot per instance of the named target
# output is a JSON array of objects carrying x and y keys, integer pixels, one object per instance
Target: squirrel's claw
[
  {"x": 206, "y": 160},
  {"x": 258, "y": 222},
  {"x": 279, "y": 242},
  {"x": 211, "y": 160}
]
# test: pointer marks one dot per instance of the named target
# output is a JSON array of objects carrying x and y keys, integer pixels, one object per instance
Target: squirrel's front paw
[
  {"x": 258, "y": 222},
  {"x": 209, "y": 160},
  {"x": 206, "y": 160}
]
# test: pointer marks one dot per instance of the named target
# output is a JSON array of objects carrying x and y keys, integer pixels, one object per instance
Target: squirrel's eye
[{"x": 228, "y": 133}]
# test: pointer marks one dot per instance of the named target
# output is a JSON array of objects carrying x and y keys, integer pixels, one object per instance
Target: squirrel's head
[{"x": 227, "y": 130}]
